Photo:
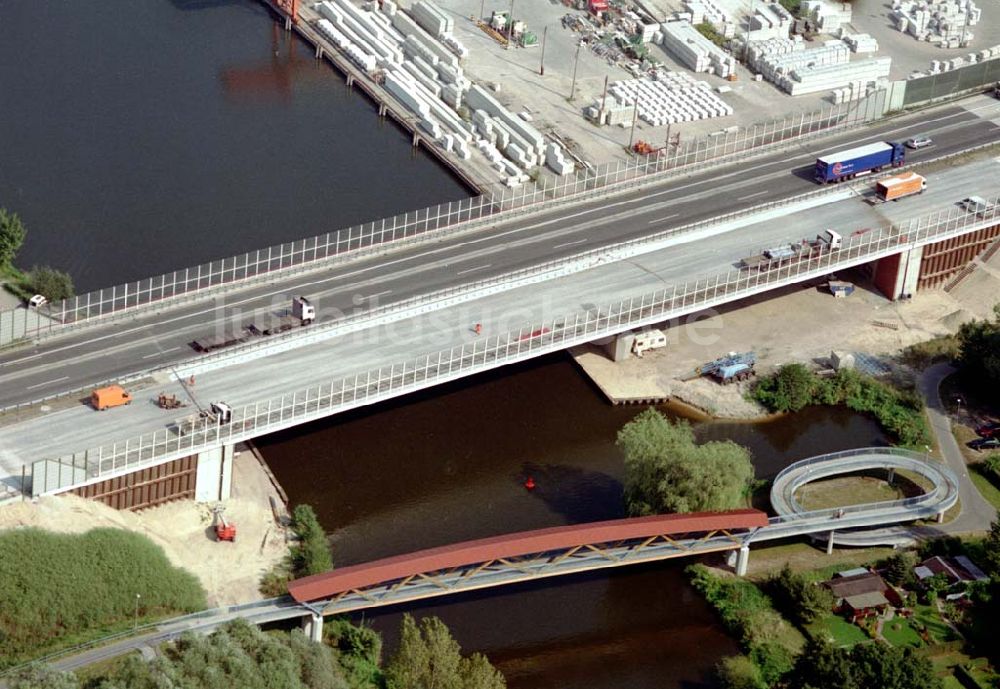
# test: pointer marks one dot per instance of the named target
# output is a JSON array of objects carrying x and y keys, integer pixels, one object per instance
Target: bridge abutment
[
  {"x": 743, "y": 561},
  {"x": 214, "y": 478},
  {"x": 312, "y": 626}
]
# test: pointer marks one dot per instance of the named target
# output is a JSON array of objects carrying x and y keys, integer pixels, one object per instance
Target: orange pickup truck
[{"x": 111, "y": 396}]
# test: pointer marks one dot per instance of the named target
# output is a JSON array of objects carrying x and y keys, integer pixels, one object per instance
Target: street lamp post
[{"x": 135, "y": 619}]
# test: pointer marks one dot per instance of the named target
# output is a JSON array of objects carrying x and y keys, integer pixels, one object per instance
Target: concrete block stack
[
  {"x": 944, "y": 23},
  {"x": 671, "y": 97},
  {"x": 712, "y": 12},
  {"x": 556, "y": 160},
  {"x": 861, "y": 43},
  {"x": 770, "y": 21},
  {"x": 614, "y": 113},
  {"x": 828, "y": 17},
  {"x": 694, "y": 51},
  {"x": 418, "y": 61},
  {"x": 791, "y": 67}
]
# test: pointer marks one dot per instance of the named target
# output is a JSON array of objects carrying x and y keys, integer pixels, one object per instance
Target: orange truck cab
[{"x": 111, "y": 396}]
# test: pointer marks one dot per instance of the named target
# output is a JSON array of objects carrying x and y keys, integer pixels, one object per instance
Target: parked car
[
  {"x": 975, "y": 204},
  {"x": 988, "y": 430},
  {"x": 919, "y": 142},
  {"x": 37, "y": 301},
  {"x": 980, "y": 444}
]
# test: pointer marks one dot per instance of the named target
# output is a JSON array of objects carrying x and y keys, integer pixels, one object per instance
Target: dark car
[
  {"x": 988, "y": 430},
  {"x": 980, "y": 444}
]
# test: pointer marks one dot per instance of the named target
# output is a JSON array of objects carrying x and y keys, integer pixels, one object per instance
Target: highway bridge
[{"x": 402, "y": 321}]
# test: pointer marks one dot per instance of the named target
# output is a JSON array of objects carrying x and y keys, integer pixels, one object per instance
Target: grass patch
[
  {"x": 937, "y": 628},
  {"x": 814, "y": 563},
  {"x": 986, "y": 487},
  {"x": 709, "y": 32},
  {"x": 924, "y": 354},
  {"x": 900, "y": 633},
  {"x": 849, "y": 490},
  {"x": 838, "y": 631},
  {"x": 58, "y": 590}
]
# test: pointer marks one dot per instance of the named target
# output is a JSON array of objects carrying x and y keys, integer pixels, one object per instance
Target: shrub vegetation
[
  {"x": 899, "y": 412},
  {"x": 55, "y": 588}
]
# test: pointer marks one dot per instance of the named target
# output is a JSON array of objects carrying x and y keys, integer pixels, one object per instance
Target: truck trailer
[
  {"x": 898, "y": 186},
  {"x": 303, "y": 313},
  {"x": 860, "y": 160},
  {"x": 827, "y": 240}
]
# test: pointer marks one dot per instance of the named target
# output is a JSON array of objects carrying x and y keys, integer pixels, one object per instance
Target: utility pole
[
  {"x": 604, "y": 98},
  {"x": 576, "y": 61},
  {"x": 541, "y": 67},
  {"x": 510, "y": 25},
  {"x": 482, "y": 10},
  {"x": 135, "y": 619},
  {"x": 635, "y": 116}
]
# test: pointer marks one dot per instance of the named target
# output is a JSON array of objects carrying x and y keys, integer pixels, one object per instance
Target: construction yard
[{"x": 802, "y": 323}]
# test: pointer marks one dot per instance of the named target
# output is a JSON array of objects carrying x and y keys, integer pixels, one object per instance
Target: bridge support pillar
[
  {"x": 897, "y": 275},
  {"x": 829, "y": 544},
  {"x": 892, "y": 475},
  {"x": 214, "y": 480},
  {"x": 743, "y": 561},
  {"x": 940, "y": 517},
  {"x": 620, "y": 348},
  {"x": 312, "y": 625}
]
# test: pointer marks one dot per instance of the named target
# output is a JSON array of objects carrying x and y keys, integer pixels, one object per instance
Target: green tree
[
  {"x": 821, "y": 666},
  {"x": 992, "y": 463},
  {"x": 798, "y": 599},
  {"x": 739, "y": 672},
  {"x": 790, "y": 390},
  {"x": 991, "y": 549},
  {"x": 980, "y": 350},
  {"x": 936, "y": 585},
  {"x": 667, "y": 471},
  {"x": 12, "y": 234},
  {"x": 54, "y": 284},
  {"x": 899, "y": 568},
  {"x": 429, "y": 658},
  {"x": 312, "y": 553}
]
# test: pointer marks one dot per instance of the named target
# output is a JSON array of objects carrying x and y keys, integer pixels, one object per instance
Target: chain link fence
[
  {"x": 131, "y": 299},
  {"x": 259, "y": 418}
]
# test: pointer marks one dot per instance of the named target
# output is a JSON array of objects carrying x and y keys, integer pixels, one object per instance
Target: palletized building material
[
  {"x": 451, "y": 95},
  {"x": 412, "y": 48},
  {"x": 695, "y": 51},
  {"x": 362, "y": 59},
  {"x": 556, "y": 160},
  {"x": 432, "y": 86},
  {"x": 431, "y": 127},
  {"x": 827, "y": 16},
  {"x": 824, "y": 78}
]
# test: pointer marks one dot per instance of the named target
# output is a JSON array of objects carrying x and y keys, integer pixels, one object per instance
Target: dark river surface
[
  {"x": 448, "y": 465},
  {"x": 141, "y": 136}
]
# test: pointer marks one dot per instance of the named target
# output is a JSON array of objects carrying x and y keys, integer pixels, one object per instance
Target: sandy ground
[
  {"x": 802, "y": 323},
  {"x": 229, "y": 572}
]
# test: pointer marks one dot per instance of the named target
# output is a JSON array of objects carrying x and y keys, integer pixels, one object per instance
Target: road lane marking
[
  {"x": 472, "y": 270},
  {"x": 49, "y": 382},
  {"x": 653, "y": 222},
  {"x": 150, "y": 356},
  {"x": 376, "y": 296},
  {"x": 564, "y": 244},
  {"x": 750, "y": 196}
]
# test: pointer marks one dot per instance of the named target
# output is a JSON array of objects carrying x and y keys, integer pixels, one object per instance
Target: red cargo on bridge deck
[{"x": 322, "y": 586}]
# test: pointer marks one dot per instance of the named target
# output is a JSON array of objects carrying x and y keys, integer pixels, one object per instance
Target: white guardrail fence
[
  {"x": 133, "y": 298},
  {"x": 267, "y": 416}
]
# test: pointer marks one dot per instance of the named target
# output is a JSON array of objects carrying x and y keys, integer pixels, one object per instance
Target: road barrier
[{"x": 267, "y": 416}]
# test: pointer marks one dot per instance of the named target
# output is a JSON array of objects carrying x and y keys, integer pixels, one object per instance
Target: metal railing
[
  {"x": 364, "y": 388},
  {"x": 131, "y": 299}
]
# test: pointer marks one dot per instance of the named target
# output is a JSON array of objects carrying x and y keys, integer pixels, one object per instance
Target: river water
[
  {"x": 143, "y": 136},
  {"x": 448, "y": 465}
]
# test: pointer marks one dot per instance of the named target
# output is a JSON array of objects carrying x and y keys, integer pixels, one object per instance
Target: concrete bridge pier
[
  {"x": 892, "y": 476},
  {"x": 940, "y": 517},
  {"x": 319, "y": 52},
  {"x": 312, "y": 626},
  {"x": 214, "y": 479},
  {"x": 743, "y": 561},
  {"x": 829, "y": 544}
]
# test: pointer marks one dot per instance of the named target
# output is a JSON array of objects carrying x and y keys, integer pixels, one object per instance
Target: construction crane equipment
[{"x": 224, "y": 530}]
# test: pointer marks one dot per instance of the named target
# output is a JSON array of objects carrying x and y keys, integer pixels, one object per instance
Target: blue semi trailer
[{"x": 859, "y": 161}]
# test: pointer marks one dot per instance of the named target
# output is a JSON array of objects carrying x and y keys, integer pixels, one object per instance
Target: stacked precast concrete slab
[
  {"x": 671, "y": 97},
  {"x": 828, "y": 17},
  {"x": 694, "y": 51},
  {"x": 770, "y": 21},
  {"x": 417, "y": 60},
  {"x": 787, "y": 64}
]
